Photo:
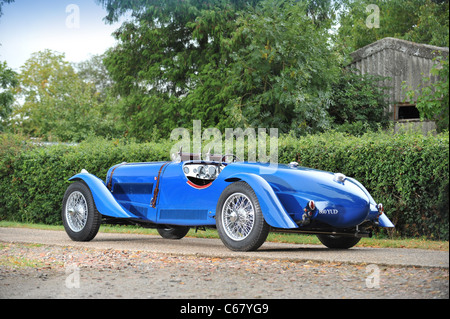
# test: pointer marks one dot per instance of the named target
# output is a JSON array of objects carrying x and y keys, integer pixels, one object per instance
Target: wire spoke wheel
[
  {"x": 240, "y": 221},
  {"x": 76, "y": 211},
  {"x": 238, "y": 216},
  {"x": 80, "y": 218}
]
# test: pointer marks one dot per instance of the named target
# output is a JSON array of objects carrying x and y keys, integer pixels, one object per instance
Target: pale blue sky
[{"x": 29, "y": 26}]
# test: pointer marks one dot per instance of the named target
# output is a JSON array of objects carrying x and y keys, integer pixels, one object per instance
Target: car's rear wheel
[
  {"x": 80, "y": 217},
  {"x": 173, "y": 232},
  {"x": 338, "y": 242},
  {"x": 240, "y": 222}
]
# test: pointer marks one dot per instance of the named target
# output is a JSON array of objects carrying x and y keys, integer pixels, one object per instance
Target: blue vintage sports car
[{"x": 244, "y": 201}]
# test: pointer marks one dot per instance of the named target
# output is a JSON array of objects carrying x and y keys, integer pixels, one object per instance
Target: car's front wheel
[
  {"x": 338, "y": 242},
  {"x": 240, "y": 222},
  {"x": 80, "y": 217}
]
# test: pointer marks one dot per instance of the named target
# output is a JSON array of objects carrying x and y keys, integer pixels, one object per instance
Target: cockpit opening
[{"x": 202, "y": 173}]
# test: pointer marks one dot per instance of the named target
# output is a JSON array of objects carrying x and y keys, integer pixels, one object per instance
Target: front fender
[
  {"x": 272, "y": 209},
  {"x": 104, "y": 201}
]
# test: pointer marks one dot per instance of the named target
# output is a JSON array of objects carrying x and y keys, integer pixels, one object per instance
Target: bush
[
  {"x": 432, "y": 97},
  {"x": 408, "y": 173},
  {"x": 359, "y": 102}
]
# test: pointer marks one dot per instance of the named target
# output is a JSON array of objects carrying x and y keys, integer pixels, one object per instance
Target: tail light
[
  {"x": 310, "y": 207},
  {"x": 380, "y": 209}
]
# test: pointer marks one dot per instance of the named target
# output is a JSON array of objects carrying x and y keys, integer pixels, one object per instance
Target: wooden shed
[{"x": 403, "y": 62}]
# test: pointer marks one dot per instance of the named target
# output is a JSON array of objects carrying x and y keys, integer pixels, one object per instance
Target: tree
[
  {"x": 179, "y": 61},
  {"x": 94, "y": 71},
  {"x": 359, "y": 102},
  {"x": 8, "y": 81},
  {"x": 169, "y": 65},
  {"x": 433, "y": 24},
  {"x": 282, "y": 69},
  {"x": 424, "y": 21},
  {"x": 44, "y": 80},
  {"x": 57, "y": 103}
]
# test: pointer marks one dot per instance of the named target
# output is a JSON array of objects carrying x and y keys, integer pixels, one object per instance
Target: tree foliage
[
  {"x": 226, "y": 63},
  {"x": 169, "y": 65},
  {"x": 422, "y": 21},
  {"x": 359, "y": 102},
  {"x": 282, "y": 69},
  {"x": 93, "y": 71},
  {"x": 57, "y": 104},
  {"x": 8, "y": 81},
  {"x": 433, "y": 98}
]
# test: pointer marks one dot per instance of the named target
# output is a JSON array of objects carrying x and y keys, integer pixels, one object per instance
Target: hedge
[
  {"x": 34, "y": 178},
  {"x": 408, "y": 173}
]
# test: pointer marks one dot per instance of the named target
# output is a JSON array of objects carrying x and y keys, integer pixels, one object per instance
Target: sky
[{"x": 74, "y": 27}]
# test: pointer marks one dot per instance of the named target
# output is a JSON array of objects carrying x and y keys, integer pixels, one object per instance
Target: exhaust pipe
[
  {"x": 358, "y": 234},
  {"x": 361, "y": 234}
]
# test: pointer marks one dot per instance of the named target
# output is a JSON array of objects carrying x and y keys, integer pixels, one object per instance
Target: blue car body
[{"x": 186, "y": 193}]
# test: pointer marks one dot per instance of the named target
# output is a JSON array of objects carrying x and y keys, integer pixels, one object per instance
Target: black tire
[
  {"x": 80, "y": 217},
  {"x": 173, "y": 232},
  {"x": 240, "y": 228},
  {"x": 338, "y": 242}
]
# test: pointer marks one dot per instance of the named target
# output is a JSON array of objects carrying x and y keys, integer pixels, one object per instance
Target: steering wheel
[{"x": 235, "y": 158}]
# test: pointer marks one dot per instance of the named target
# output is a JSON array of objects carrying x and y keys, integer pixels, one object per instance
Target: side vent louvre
[{"x": 194, "y": 214}]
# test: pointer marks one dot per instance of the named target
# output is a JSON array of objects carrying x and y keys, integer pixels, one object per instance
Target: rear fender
[
  {"x": 104, "y": 201},
  {"x": 272, "y": 209},
  {"x": 384, "y": 221}
]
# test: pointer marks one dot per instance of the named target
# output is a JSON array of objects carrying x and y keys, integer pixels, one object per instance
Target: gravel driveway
[
  {"x": 30, "y": 270},
  {"x": 69, "y": 272}
]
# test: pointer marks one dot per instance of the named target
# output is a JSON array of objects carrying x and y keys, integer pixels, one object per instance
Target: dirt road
[{"x": 46, "y": 264}]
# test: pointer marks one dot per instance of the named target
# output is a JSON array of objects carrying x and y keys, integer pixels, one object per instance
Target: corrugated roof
[{"x": 410, "y": 48}]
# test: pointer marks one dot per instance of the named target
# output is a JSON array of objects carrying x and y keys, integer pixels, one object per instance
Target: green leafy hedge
[
  {"x": 33, "y": 179},
  {"x": 408, "y": 173}
]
